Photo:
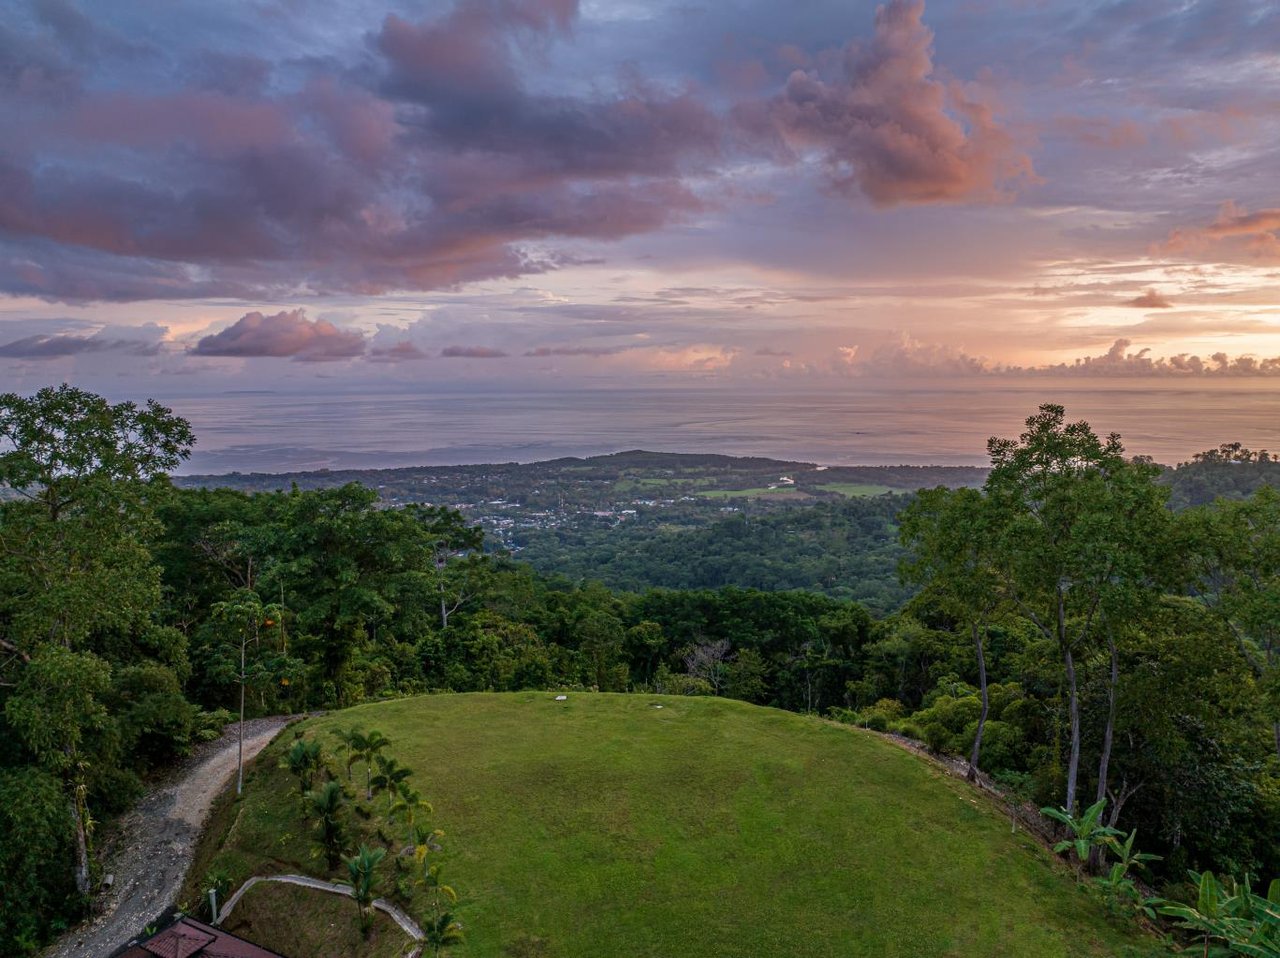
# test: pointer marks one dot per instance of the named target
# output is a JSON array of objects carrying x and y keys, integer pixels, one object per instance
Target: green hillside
[{"x": 607, "y": 825}]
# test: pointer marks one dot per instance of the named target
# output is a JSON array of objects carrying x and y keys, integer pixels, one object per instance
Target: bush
[
  {"x": 889, "y": 708},
  {"x": 1002, "y": 745},
  {"x": 938, "y": 738},
  {"x": 208, "y": 726},
  {"x": 155, "y": 718},
  {"x": 36, "y": 833},
  {"x": 875, "y": 721},
  {"x": 907, "y": 729}
]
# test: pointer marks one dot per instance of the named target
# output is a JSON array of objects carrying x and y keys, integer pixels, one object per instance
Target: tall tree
[
  {"x": 1236, "y": 550},
  {"x": 950, "y": 547},
  {"x": 56, "y": 707},
  {"x": 1071, "y": 523},
  {"x": 73, "y": 540}
]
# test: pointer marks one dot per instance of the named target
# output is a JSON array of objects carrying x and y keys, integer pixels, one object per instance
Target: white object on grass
[{"x": 561, "y": 698}]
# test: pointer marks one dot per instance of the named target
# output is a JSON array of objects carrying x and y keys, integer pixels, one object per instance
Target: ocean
[{"x": 858, "y": 423}]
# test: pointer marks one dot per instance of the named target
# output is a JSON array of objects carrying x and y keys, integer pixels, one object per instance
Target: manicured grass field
[
  {"x": 604, "y": 825},
  {"x": 855, "y": 489}
]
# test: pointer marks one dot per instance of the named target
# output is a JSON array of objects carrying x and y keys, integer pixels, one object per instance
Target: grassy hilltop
[{"x": 605, "y": 825}]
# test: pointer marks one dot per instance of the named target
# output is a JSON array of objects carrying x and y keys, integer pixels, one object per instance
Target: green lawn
[
  {"x": 606, "y": 826},
  {"x": 303, "y": 923},
  {"x": 855, "y": 489}
]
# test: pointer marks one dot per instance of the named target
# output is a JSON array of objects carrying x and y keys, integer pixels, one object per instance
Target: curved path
[
  {"x": 156, "y": 840},
  {"x": 407, "y": 924}
]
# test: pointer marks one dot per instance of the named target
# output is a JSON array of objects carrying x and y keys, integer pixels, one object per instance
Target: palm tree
[
  {"x": 303, "y": 760},
  {"x": 391, "y": 774},
  {"x": 409, "y": 803},
  {"x": 349, "y": 737},
  {"x": 370, "y": 745},
  {"x": 325, "y": 803},
  {"x": 441, "y": 932},
  {"x": 360, "y": 868},
  {"x": 440, "y": 928}
]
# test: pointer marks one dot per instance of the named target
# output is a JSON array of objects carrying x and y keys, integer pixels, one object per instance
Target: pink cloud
[
  {"x": 889, "y": 128},
  {"x": 1235, "y": 232},
  {"x": 1150, "y": 299},
  {"x": 283, "y": 334}
]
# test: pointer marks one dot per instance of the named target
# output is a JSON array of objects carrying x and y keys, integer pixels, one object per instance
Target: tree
[
  {"x": 946, "y": 531},
  {"x": 326, "y": 804},
  {"x": 55, "y": 708},
  {"x": 241, "y": 619},
  {"x": 709, "y": 662},
  {"x": 391, "y": 775},
  {"x": 440, "y": 928},
  {"x": 84, "y": 474},
  {"x": 1236, "y": 551},
  {"x": 1072, "y": 524},
  {"x": 304, "y": 759},
  {"x": 361, "y": 869},
  {"x": 455, "y": 549},
  {"x": 36, "y": 856},
  {"x": 365, "y": 748},
  {"x": 408, "y": 804}
]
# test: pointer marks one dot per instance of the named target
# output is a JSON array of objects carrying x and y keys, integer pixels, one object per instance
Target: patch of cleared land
[{"x": 604, "y": 825}]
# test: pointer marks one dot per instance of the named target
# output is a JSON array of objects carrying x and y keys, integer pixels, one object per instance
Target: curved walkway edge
[{"x": 407, "y": 924}]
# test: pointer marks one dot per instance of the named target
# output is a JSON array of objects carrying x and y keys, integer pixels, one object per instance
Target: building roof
[{"x": 188, "y": 938}]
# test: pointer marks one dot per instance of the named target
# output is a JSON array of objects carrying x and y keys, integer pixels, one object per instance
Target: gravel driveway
[{"x": 154, "y": 844}]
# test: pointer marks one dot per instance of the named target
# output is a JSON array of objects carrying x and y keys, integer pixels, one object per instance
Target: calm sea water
[{"x": 858, "y": 423}]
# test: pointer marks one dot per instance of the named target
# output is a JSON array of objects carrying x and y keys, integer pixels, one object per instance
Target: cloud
[
  {"x": 1235, "y": 232},
  {"x": 402, "y": 351},
  {"x": 1119, "y": 361},
  {"x": 1150, "y": 299},
  {"x": 889, "y": 128},
  {"x": 904, "y": 355},
  {"x": 428, "y": 166},
  {"x": 770, "y": 351},
  {"x": 542, "y": 351},
  {"x": 125, "y": 340},
  {"x": 283, "y": 334},
  {"x": 472, "y": 352}
]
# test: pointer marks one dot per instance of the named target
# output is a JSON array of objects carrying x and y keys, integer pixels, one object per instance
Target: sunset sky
[{"x": 196, "y": 197}]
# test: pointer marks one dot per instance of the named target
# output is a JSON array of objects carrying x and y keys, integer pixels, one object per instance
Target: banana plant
[
  {"x": 1229, "y": 918},
  {"x": 1087, "y": 830},
  {"x": 1117, "y": 885}
]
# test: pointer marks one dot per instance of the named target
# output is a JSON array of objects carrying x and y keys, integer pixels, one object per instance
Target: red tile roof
[{"x": 188, "y": 938}]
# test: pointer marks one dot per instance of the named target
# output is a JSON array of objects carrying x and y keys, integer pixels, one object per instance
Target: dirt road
[{"x": 155, "y": 843}]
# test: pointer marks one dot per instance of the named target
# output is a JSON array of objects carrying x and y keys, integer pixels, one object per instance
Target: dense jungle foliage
[{"x": 1069, "y": 631}]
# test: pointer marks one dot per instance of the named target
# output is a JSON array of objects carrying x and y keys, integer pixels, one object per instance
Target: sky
[{"x": 203, "y": 199}]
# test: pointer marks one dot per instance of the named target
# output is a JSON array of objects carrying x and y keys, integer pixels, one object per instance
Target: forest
[{"x": 1083, "y": 628}]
